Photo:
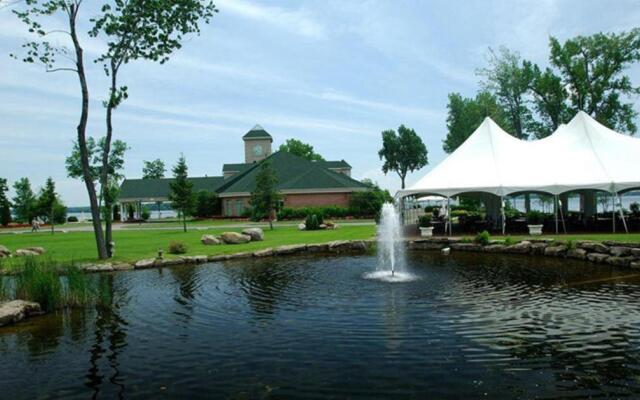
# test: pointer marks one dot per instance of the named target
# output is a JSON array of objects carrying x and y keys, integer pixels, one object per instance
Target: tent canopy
[{"x": 582, "y": 154}]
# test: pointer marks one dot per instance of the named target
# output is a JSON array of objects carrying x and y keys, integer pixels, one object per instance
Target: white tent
[{"x": 580, "y": 155}]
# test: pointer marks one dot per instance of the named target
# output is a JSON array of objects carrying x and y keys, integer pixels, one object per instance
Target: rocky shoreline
[{"x": 620, "y": 254}]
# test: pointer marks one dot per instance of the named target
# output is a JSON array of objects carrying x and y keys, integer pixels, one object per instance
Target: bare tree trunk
[
  {"x": 184, "y": 221},
  {"x": 82, "y": 143},
  {"x": 104, "y": 175}
]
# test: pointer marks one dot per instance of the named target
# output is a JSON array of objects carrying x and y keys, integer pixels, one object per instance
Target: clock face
[{"x": 257, "y": 150}]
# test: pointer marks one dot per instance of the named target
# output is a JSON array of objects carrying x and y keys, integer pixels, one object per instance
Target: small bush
[
  {"x": 72, "y": 218},
  {"x": 177, "y": 247},
  {"x": 145, "y": 215},
  {"x": 508, "y": 241},
  {"x": 535, "y": 218},
  {"x": 313, "y": 222},
  {"x": 570, "y": 244},
  {"x": 424, "y": 221},
  {"x": 482, "y": 238}
]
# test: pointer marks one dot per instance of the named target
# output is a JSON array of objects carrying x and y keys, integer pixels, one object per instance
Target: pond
[{"x": 469, "y": 326}]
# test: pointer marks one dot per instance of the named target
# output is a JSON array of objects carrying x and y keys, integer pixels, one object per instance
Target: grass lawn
[{"x": 135, "y": 245}]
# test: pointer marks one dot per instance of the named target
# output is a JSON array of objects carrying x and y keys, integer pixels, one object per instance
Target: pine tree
[
  {"x": 24, "y": 202},
  {"x": 47, "y": 201},
  {"x": 5, "y": 204},
  {"x": 181, "y": 195},
  {"x": 265, "y": 196}
]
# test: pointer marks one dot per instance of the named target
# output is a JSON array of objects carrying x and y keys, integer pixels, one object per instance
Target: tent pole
[
  {"x": 555, "y": 206},
  {"x": 613, "y": 212},
  {"x": 624, "y": 222},
  {"x": 560, "y": 206},
  {"x": 502, "y": 219},
  {"x": 449, "y": 215}
]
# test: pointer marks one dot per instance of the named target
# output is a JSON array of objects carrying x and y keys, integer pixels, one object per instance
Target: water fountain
[{"x": 391, "y": 250}]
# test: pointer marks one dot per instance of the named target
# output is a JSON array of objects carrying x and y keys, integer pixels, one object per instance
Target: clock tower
[{"x": 257, "y": 144}]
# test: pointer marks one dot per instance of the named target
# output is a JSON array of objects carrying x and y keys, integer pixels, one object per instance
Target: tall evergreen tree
[
  {"x": 47, "y": 201},
  {"x": 5, "y": 204},
  {"x": 181, "y": 195},
  {"x": 265, "y": 196},
  {"x": 24, "y": 202}
]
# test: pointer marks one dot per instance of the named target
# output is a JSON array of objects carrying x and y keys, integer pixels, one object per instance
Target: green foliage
[
  {"x": 39, "y": 282},
  {"x": 571, "y": 244},
  {"x": 59, "y": 213},
  {"x": 177, "y": 247},
  {"x": 49, "y": 206},
  {"x": 466, "y": 114},
  {"x": 509, "y": 241},
  {"x": 635, "y": 209},
  {"x": 24, "y": 202},
  {"x": 483, "y": 238},
  {"x": 402, "y": 152},
  {"x": 94, "y": 150},
  {"x": 145, "y": 214},
  {"x": 369, "y": 202},
  {"x": 79, "y": 290},
  {"x": 300, "y": 149},
  {"x": 265, "y": 196},
  {"x": 72, "y": 218},
  {"x": 325, "y": 212},
  {"x": 424, "y": 221},
  {"x": 535, "y": 217},
  {"x": 207, "y": 204},
  {"x": 5, "y": 204},
  {"x": 181, "y": 195},
  {"x": 313, "y": 222},
  {"x": 153, "y": 169}
]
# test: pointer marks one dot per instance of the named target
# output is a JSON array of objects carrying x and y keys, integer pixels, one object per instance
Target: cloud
[{"x": 295, "y": 21}]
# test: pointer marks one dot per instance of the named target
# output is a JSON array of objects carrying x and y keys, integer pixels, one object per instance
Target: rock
[
  {"x": 555, "y": 251},
  {"x": 216, "y": 258},
  {"x": 39, "y": 250},
  {"x": 263, "y": 253},
  {"x": 146, "y": 263},
  {"x": 495, "y": 248},
  {"x": 235, "y": 238},
  {"x": 17, "y": 310},
  {"x": 425, "y": 245},
  {"x": 322, "y": 226},
  {"x": 523, "y": 247},
  {"x": 619, "y": 251},
  {"x": 302, "y": 227},
  {"x": 25, "y": 253},
  {"x": 209, "y": 240},
  {"x": 339, "y": 245},
  {"x": 122, "y": 266},
  {"x": 578, "y": 254},
  {"x": 318, "y": 247},
  {"x": 4, "y": 252},
  {"x": 289, "y": 249},
  {"x": 238, "y": 256},
  {"x": 635, "y": 253},
  {"x": 635, "y": 265},
  {"x": 358, "y": 245},
  {"x": 619, "y": 261},
  {"x": 446, "y": 251},
  {"x": 597, "y": 257},
  {"x": 594, "y": 247},
  {"x": 98, "y": 268},
  {"x": 194, "y": 259},
  {"x": 172, "y": 262},
  {"x": 256, "y": 234},
  {"x": 538, "y": 248},
  {"x": 466, "y": 246}
]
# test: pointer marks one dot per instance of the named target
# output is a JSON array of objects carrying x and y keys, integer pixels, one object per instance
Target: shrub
[
  {"x": 508, "y": 241},
  {"x": 535, "y": 217},
  {"x": 177, "y": 247},
  {"x": 59, "y": 213},
  {"x": 367, "y": 203},
  {"x": 207, "y": 204},
  {"x": 482, "y": 238},
  {"x": 635, "y": 208},
  {"x": 313, "y": 222},
  {"x": 425, "y": 221},
  {"x": 570, "y": 244},
  {"x": 324, "y": 212},
  {"x": 72, "y": 218},
  {"x": 145, "y": 215}
]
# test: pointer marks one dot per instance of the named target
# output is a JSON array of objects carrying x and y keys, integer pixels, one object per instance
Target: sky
[{"x": 330, "y": 73}]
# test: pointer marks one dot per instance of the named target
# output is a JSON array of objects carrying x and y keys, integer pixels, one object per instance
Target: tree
[
  {"x": 300, "y": 149},
  {"x": 108, "y": 194},
  {"x": 153, "y": 169},
  {"x": 510, "y": 84},
  {"x": 403, "y": 152},
  {"x": 465, "y": 115},
  {"x": 24, "y": 202},
  {"x": 265, "y": 195},
  {"x": 46, "y": 203},
  {"x": 207, "y": 204},
  {"x": 369, "y": 202},
  {"x": 5, "y": 204},
  {"x": 43, "y": 52},
  {"x": 592, "y": 68},
  {"x": 181, "y": 195}
]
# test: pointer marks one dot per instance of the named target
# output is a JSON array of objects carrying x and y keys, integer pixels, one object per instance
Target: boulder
[
  {"x": 523, "y": 247},
  {"x": 208, "y": 240},
  {"x": 635, "y": 253},
  {"x": 39, "y": 250},
  {"x": 26, "y": 253},
  {"x": 17, "y": 310},
  {"x": 425, "y": 245},
  {"x": 238, "y": 256},
  {"x": 538, "y": 248},
  {"x": 235, "y": 238},
  {"x": 195, "y": 259},
  {"x": 4, "y": 252},
  {"x": 121, "y": 266},
  {"x": 289, "y": 249},
  {"x": 263, "y": 253},
  {"x": 216, "y": 258},
  {"x": 597, "y": 257},
  {"x": 302, "y": 227},
  {"x": 318, "y": 247},
  {"x": 555, "y": 251},
  {"x": 594, "y": 247},
  {"x": 256, "y": 234},
  {"x": 172, "y": 262},
  {"x": 635, "y": 265},
  {"x": 619, "y": 261},
  {"x": 495, "y": 248},
  {"x": 146, "y": 263},
  {"x": 619, "y": 251},
  {"x": 466, "y": 246},
  {"x": 358, "y": 245},
  {"x": 339, "y": 245},
  {"x": 578, "y": 254},
  {"x": 98, "y": 268}
]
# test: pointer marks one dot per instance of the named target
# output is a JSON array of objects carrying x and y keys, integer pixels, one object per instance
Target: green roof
[
  {"x": 257, "y": 132},
  {"x": 159, "y": 188},
  {"x": 335, "y": 164},
  {"x": 236, "y": 167},
  {"x": 294, "y": 173}
]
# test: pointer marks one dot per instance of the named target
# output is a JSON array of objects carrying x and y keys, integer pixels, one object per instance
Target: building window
[{"x": 239, "y": 207}]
